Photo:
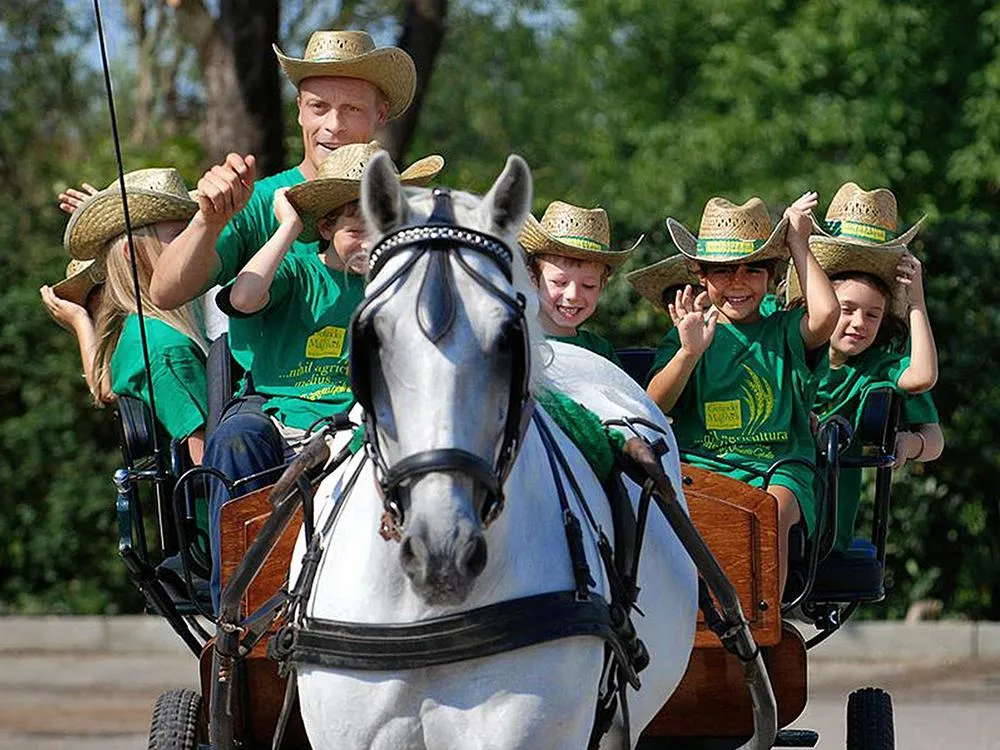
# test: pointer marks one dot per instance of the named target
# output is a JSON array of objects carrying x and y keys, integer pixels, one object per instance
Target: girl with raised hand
[{"x": 883, "y": 337}]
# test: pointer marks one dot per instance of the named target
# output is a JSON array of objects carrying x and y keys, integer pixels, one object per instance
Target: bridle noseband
[{"x": 440, "y": 234}]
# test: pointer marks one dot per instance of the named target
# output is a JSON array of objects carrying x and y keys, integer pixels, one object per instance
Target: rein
[{"x": 440, "y": 240}]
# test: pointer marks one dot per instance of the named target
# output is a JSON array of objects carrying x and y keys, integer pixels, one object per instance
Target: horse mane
[{"x": 467, "y": 213}]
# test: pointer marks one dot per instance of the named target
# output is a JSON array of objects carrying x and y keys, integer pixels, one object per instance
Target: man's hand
[
  {"x": 695, "y": 326},
  {"x": 225, "y": 189},
  {"x": 71, "y": 198}
]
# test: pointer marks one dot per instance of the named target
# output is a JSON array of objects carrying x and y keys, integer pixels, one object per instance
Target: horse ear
[
  {"x": 382, "y": 199},
  {"x": 506, "y": 205}
]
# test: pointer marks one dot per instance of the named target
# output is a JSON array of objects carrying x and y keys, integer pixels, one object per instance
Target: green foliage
[{"x": 645, "y": 108}]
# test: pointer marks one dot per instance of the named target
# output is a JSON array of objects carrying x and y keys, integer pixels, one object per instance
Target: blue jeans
[{"x": 244, "y": 443}]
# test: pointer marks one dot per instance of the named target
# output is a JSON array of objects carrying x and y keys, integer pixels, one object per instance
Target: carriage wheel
[
  {"x": 178, "y": 721},
  {"x": 869, "y": 720}
]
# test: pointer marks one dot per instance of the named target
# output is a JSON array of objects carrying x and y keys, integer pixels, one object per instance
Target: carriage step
[{"x": 796, "y": 738}]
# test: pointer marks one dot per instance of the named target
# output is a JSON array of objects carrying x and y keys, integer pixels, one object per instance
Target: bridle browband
[{"x": 441, "y": 235}]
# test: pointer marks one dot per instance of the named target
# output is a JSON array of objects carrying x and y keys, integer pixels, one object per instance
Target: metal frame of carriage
[{"x": 828, "y": 590}]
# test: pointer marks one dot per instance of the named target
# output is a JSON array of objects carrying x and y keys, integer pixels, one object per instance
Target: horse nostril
[
  {"x": 473, "y": 559},
  {"x": 409, "y": 553}
]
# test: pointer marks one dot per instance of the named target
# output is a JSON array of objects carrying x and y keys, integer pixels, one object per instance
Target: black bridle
[{"x": 440, "y": 237}]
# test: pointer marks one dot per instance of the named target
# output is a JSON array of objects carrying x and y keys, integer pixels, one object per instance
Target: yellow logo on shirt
[
  {"x": 326, "y": 342},
  {"x": 759, "y": 397},
  {"x": 723, "y": 415}
]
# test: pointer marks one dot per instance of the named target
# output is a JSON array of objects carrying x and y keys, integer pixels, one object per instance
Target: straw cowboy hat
[
  {"x": 861, "y": 237},
  {"x": 338, "y": 180},
  {"x": 573, "y": 232},
  {"x": 352, "y": 54},
  {"x": 81, "y": 277},
  {"x": 863, "y": 218},
  {"x": 732, "y": 234},
  {"x": 651, "y": 281},
  {"x": 154, "y": 195}
]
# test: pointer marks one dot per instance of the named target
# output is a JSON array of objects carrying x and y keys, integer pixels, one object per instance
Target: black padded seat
[
  {"x": 636, "y": 361},
  {"x": 854, "y": 575},
  {"x": 136, "y": 424}
]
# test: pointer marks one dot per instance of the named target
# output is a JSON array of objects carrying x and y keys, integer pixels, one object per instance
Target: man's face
[{"x": 336, "y": 111}]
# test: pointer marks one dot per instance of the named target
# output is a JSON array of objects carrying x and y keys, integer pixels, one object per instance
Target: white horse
[{"x": 440, "y": 353}]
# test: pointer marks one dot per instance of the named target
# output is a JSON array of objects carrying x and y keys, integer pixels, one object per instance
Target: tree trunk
[
  {"x": 243, "y": 110},
  {"x": 422, "y": 34}
]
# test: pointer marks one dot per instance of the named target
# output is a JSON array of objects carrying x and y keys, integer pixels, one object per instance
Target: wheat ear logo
[{"x": 759, "y": 397}]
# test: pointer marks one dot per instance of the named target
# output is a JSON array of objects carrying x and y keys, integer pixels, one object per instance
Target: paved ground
[{"x": 51, "y": 701}]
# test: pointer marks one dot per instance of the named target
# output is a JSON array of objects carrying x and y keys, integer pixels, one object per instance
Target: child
[
  {"x": 877, "y": 283},
  {"x": 570, "y": 259},
  {"x": 738, "y": 383},
  {"x": 159, "y": 208},
  {"x": 301, "y": 306},
  {"x": 662, "y": 281}
]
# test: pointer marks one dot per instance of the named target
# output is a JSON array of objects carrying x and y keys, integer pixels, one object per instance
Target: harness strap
[{"x": 486, "y": 631}]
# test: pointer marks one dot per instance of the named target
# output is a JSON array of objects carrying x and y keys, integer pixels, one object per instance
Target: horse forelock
[{"x": 420, "y": 204}]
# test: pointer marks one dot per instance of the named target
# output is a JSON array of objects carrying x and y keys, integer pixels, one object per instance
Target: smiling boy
[{"x": 570, "y": 258}]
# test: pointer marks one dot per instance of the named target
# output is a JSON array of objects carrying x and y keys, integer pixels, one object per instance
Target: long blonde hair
[{"x": 118, "y": 300}]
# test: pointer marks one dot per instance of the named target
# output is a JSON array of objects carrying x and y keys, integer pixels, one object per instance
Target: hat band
[
  {"x": 729, "y": 247},
  {"x": 859, "y": 231},
  {"x": 583, "y": 243}
]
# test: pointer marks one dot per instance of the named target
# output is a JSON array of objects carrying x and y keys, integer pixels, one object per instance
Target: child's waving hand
[{"x": 695, "y": 327}]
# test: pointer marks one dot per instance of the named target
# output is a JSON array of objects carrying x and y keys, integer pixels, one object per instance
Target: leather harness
[{"x": 499, "y": 627}]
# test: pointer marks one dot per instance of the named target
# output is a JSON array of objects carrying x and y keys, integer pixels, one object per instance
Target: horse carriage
[{"x": 616, "y": 602}]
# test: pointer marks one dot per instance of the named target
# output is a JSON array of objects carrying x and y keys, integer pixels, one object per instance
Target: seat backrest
[
  {"x": 136, "y": 427},
  {"x": 879, "y": 419},
  {"x": 222, "y": 374},
  {"x": 637, "y": 361}
]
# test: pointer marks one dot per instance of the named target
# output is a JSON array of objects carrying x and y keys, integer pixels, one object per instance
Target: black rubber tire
[
  {"x": 869, "y": 720},
  {"x": 178, "y": 721}
]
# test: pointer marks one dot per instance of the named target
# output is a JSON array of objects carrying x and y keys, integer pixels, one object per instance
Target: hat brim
[
  {"x": 774, "y": 248},
  {"x": 650, "y": 281},
  {"x": 390, "y": 69},
  {"x": 314, "y": 199},
  {"x": 837, "y": 258},
  {"x": 903, "y": 239},
  {"x": 536, "y": 241},
  {"x": 101, "y": 217},
  {"x": 77, "y": 287}
]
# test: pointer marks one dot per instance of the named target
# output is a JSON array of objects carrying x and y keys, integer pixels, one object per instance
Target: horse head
[{"x": 441, "y": 363}]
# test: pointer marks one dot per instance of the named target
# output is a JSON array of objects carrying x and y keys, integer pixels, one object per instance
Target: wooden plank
[
  {"x": 242, "y": 520},
  {"x": 259, "y": 694},
  {"x": 712, "y": 698},
  {"x": 740, "y": 525}
]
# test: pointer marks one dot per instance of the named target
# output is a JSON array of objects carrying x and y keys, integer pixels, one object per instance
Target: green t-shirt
[
  {"x": 842, "y": 390},
  {"x": 748, "y": 401},
  {"x": 302, "y": 351},
  {"x": 588, "y": 340},
  {"x": 178, "y": 368},
  {"x": 919, "y": 409},
  {"x": 242, "y": 237}
]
